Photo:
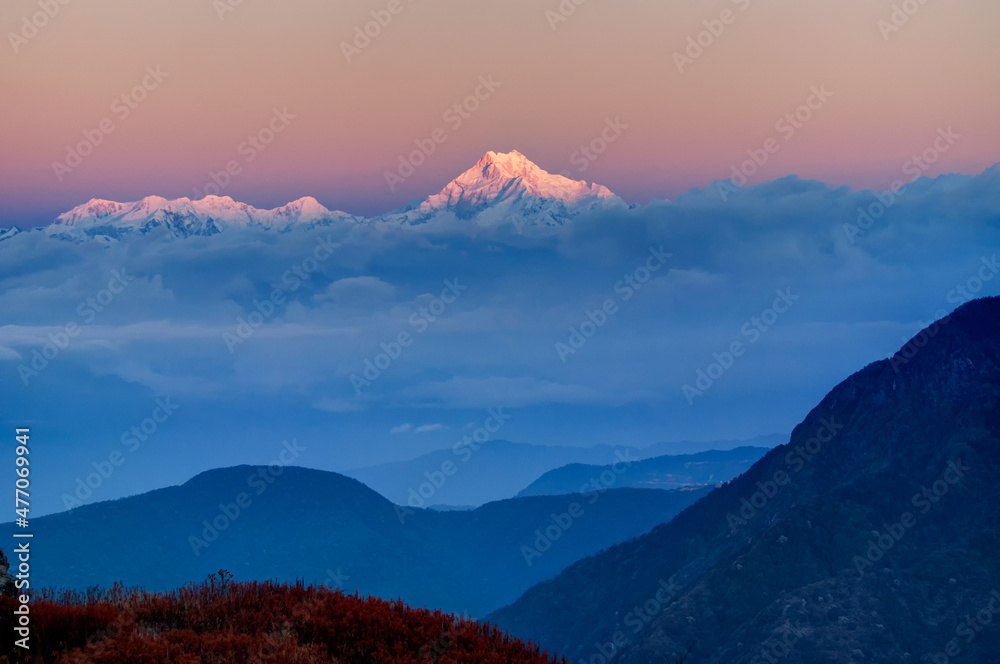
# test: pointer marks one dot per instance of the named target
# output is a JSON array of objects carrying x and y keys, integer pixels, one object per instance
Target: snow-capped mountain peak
[
  {"x": 511, "y": 164},
  {"x": 183, "y": 216},
  {"x": 95, "y": 208},
  {"x": 306, "y": 208},
  {"x": 500, "y": 188},
  {"x": 506, "y": 186},
  {"x": 503, "y": 176}
]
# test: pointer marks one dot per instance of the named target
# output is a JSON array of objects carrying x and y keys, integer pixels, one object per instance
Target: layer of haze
[{"x": 558, "y": 87}]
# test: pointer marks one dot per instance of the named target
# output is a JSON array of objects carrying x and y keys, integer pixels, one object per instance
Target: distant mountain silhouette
[
  {"x": 666, "y": 472},
  {"x": 323, "y": 527},
  {"x": 872, "y": 536},
  {"x": 693, "y": 447},
  {"x": 500, "y": 469},
  {"x": 501, "y": 188}
]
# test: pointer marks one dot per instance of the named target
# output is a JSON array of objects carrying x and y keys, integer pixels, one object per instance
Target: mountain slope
[
  {"x": 497, "y": 470},
  {"x": 500, "y": 188},
  {"x": 509, "y": 188},
  {"x": 666, "y": 472},
  {"x": 321, "y": 526},
  {"x": 871, "y": 536},
  {"x": 671, "y": 448}
]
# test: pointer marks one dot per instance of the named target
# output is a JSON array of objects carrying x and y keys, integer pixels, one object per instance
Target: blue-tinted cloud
[{"x": 369, "y": 312}]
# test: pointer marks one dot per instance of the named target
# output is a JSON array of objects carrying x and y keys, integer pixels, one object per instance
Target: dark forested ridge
[{"x": 871, "y": 536}]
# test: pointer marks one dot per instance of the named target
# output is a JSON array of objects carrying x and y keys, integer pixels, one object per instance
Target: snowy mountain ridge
[
  {"x": 184, "y": 217},
  {"x": 500, "y": 188}
]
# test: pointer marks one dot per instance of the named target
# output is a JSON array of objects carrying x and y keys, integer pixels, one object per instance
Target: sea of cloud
[{"x": 259, "y": 336}]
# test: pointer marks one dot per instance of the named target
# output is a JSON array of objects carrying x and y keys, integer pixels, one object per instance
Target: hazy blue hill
[
  {"x": 823, "y": 563},
  {"x": 500, "y": 469},
  {"x": 666, "y": 472},
  {"x": 693, "y": 447},
  {"x": 497, "y": 470},
  {"x": 308, "y": 522}
]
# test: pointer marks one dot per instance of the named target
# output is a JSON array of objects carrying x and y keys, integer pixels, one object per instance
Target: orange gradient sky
[{"x": 558, "y": 88}]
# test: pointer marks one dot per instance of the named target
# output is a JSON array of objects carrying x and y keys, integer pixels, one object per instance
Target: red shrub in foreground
[{"x": 235, "y": 623}]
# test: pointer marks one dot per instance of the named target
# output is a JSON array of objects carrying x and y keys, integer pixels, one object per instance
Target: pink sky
[{"x": 558, "y": 88}]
